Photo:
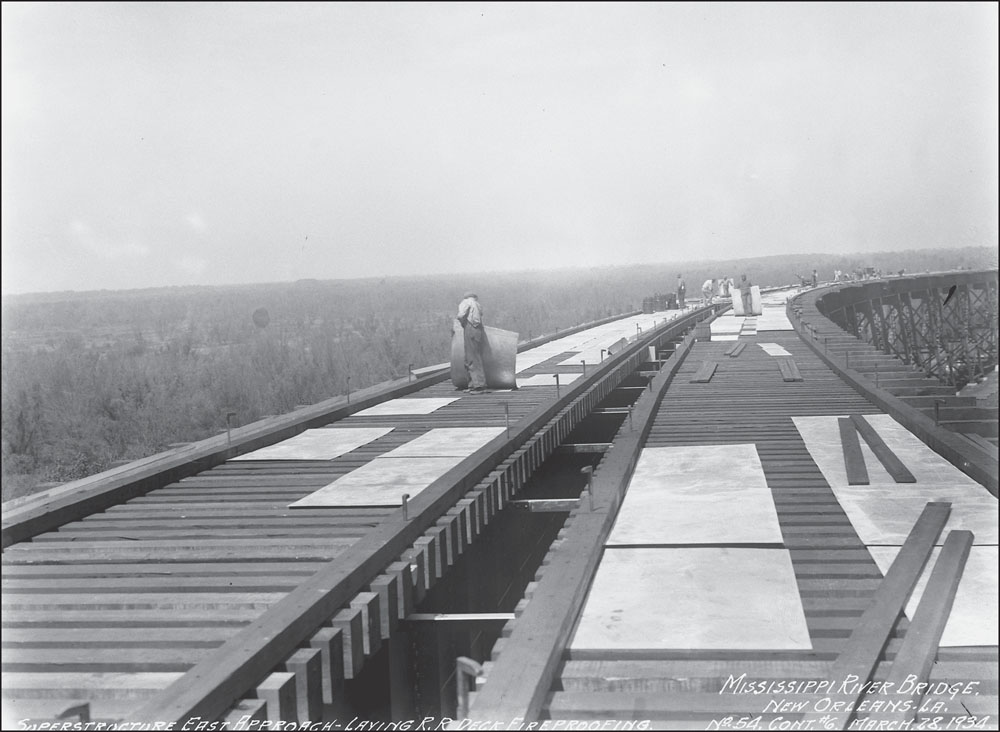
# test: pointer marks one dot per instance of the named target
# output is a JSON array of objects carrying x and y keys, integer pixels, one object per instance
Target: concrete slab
[
  {"x": 318, "y": 444},
  {"x": 693, "y": 598},
  {"x": 445, "y": 442},
  {"x": 773, "y": 349},
  {"x": 726, "y": 324},
  {"x": 395, "y": 407},
  {"x": 973, "y": 619},
  {"x": 382, "y": 482},
  {"x": 884, "y": 515},
  {"x": 675, "y": 489},
  {"x": 532, "y": 358},
  {"x": 547, "y": 380}
]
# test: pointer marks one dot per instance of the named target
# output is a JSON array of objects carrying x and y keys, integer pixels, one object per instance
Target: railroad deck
[{"x": 747, "y": 399}]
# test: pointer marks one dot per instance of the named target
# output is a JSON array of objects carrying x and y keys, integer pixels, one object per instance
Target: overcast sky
[{"x": 202, "y": 143}]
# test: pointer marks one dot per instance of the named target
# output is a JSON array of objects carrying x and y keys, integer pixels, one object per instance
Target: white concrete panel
[
  {"x": 725, "y": 337},
  {"x": 548, "y": 380},
  {"x": 445, "y": 442},
  {"x": 773, "y": 349},
  {"x": 774, "y": 320},
  {"x": 726, "y": 324},
  {"x": 884, "y": 515},
  {"x": 738, "y": 303},
  {"x": 381, "y": 482},
  {"x": 318, "y": 444},
  {"x": 530, "y": 358},
  {"x": 406, "y": 406},
  {"x": 674, "y": 491},
  {"x": 693, "y": 598},
  {"x": 973, "y": 619}
]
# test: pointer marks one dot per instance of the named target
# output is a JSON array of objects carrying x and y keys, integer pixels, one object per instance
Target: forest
[{"x": 94, "y": 379}]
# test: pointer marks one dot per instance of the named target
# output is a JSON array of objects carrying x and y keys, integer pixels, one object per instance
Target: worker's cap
[{"x": 470, "y": 294}]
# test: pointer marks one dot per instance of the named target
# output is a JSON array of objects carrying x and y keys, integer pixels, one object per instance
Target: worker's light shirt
[{"x": 469, "y": 310}]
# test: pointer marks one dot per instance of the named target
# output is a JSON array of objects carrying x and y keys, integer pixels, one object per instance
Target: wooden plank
[
  {"x": 893, "y": 465},
  {"x": 86, "y": 685},
  {"x": 349, "y": 622},
  {"x": 865, "y": 644},
  {"x": 916, "y": 656},
  {"x": 705, "y": 372},
  {"x": 387, "y": 587},
  {"x": 330, "y": 643},
  {"x": 278, "y": 693},
  {"x": 854, "y": 459},
  {"x": 306, "y": 666},
  {"x": 371, "y": 623},
  {"x": 546, "y": 505},
  {"x": 789, "y": 369}
]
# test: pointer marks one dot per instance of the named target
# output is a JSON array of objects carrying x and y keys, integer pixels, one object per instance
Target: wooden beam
[
  {"x": 585, "y": 447},
  {"x": 459, "y": 617},
  {"x": 705, "y": 372},
  {"x": 546, "y": 505},
  {"x": 864, "y": 647},
  {"x": 882, "y": 451},
  {"x": 854, "y": 459},
  {"x": 915, "y": 657},
  {"x": 789, "y": 369}
]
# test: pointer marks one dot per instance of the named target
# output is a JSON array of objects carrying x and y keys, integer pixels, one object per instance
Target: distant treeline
[{"x": 93, "y": 379}]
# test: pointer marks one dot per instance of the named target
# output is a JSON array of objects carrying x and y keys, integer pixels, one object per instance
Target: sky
[{"x": 153, "y": 144}]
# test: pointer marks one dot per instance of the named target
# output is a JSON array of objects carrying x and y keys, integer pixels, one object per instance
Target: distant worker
[
  {"x": 707, "y": 291},
  {"x": 745, "y": 286},
  {"x": 730, "y": 286},
  {"x": 815, "y": 278},
  {"x": 681, "y": 289},
  {"x": 470, "y": 315}
]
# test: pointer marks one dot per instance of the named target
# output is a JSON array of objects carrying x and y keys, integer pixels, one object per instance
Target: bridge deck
[{"x": 624, "y": 661}]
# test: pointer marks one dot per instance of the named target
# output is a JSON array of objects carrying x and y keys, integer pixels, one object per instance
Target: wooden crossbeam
[
  {"x": 915, "y": 657},
  {"x": 579, "y": 447},
  {"x": 546, "y": 505},
  {"x": 893, "y": 465},
  {"x": 736, "y": 349},
  {"x": 789, "y": 369},
  {"x": 864, "y": 647},
  {"x": 705, "y": 372},
  {"x": 854, "y": 459},
  {"x": 459, "y": 617}
]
